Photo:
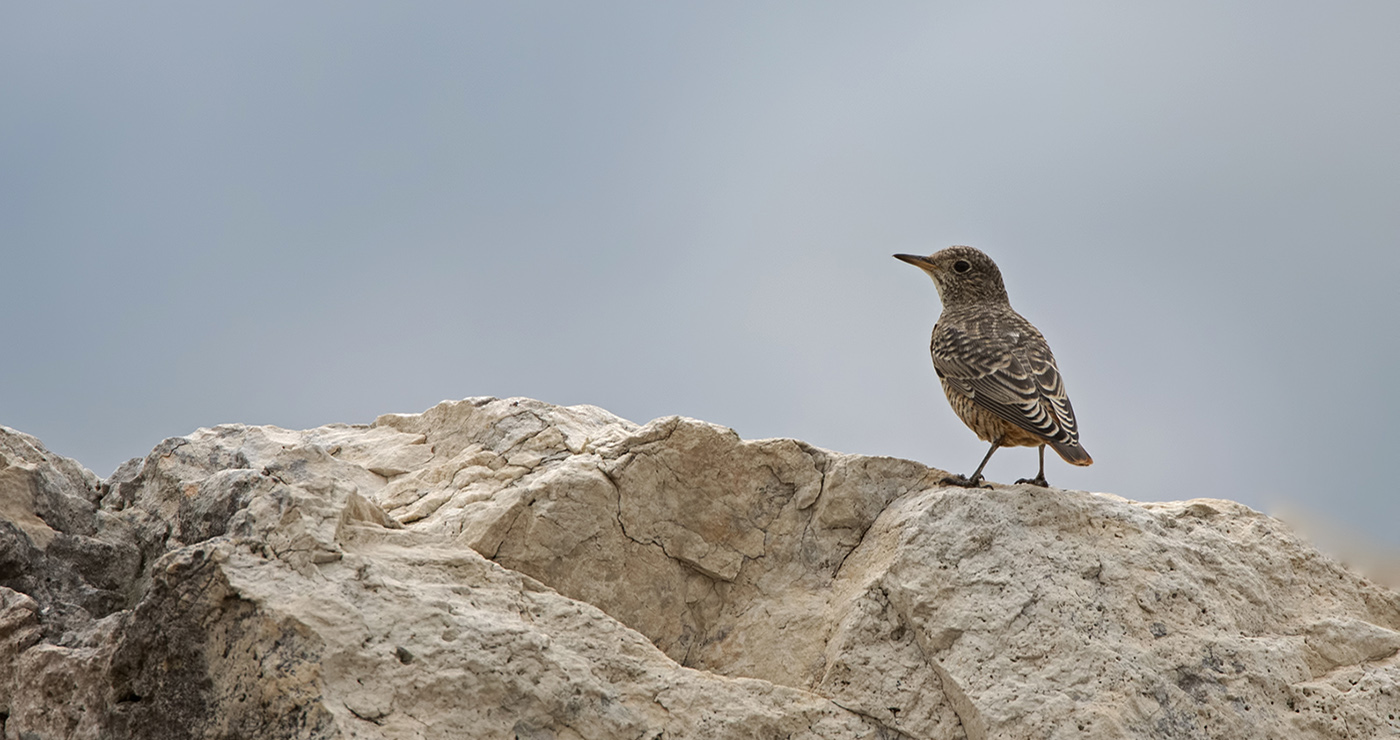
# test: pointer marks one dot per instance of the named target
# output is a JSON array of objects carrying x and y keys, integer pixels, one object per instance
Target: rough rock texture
[{"x": 506, "y": 568}]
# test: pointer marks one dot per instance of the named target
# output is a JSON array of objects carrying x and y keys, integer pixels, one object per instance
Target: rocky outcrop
[{"x": 507, "y": 568}]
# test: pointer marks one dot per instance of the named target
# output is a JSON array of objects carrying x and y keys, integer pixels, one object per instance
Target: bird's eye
[{"x": 961, "y": 266}]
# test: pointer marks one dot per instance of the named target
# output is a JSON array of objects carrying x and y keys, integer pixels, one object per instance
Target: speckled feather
[
  {"x": 994, "y": 362},
  {"x": 996, "y": 368}
]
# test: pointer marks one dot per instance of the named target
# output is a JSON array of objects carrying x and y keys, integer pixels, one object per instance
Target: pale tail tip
[{"x": 1073, "y": 454}]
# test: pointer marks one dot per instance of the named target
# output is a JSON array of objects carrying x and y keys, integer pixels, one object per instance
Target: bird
[{"x": 995, "y": 367}]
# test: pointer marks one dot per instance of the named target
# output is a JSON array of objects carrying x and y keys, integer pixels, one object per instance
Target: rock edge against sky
[{"x": 508, "y": 568}]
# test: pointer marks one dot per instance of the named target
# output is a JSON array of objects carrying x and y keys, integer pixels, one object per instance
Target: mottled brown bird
[{"x": 996, "y": 369}]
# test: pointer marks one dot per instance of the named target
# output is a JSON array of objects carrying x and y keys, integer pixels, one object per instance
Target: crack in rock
[{"x": 814, "y": 594}]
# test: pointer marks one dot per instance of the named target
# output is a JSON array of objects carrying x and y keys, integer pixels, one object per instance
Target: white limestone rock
[
  {"x": 941, "y": 612},
  {"x": 508, "y": 568}
]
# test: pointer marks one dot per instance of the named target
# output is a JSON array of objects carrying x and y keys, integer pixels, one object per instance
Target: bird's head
[{"x": 962, "y": 274}]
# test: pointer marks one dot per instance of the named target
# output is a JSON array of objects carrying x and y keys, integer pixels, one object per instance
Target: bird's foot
[
  {"x": 1039, "y": 480},
  {"x": 965, "y": 482}
]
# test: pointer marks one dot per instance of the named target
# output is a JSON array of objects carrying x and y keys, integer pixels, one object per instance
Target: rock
[
  {"x": 55, "y": 543},
  {"x": 507, "y": 568}
]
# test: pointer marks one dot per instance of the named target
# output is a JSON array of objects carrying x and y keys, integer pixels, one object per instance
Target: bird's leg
[
  {"x": 1039, "y": 479},
  {"x": 976, "y": 479}
]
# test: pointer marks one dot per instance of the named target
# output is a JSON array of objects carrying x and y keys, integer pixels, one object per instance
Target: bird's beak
[{"x": 923, "y": 263}]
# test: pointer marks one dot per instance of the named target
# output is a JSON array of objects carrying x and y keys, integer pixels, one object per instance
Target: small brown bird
[{"x": 996, "y": 368}]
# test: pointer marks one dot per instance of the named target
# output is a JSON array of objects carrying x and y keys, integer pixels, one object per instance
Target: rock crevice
[{"x": 507, "y": 568}]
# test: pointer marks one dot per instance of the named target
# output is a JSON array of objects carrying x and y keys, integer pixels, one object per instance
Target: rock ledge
[{"x": 508, "y": 568}]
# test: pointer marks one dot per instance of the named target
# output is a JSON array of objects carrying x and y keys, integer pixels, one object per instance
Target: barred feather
[{"x": 996, "y": 368}]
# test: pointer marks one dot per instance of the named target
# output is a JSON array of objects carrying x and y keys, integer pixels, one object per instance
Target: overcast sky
[{"x": 305, "y": 213}]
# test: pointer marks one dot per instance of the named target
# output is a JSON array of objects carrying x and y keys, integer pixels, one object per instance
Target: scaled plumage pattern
[{"x": 996, "y": 369}]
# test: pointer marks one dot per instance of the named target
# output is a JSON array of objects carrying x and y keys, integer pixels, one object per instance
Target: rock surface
[{"x": 506, "y": 568}]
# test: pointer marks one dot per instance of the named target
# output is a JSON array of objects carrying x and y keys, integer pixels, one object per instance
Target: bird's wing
[{"x": 1006, "y": 368}]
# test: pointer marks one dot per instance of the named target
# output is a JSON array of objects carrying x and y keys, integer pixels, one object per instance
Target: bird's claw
[
  {"x": 964, "y": 482},
  {"x": 1039, "y": 480}
]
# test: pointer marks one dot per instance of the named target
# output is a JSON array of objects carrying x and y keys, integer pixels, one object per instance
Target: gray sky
[{"x": 297, "y": 214}]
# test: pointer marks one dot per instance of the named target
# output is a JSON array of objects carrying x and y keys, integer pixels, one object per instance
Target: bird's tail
[{"x": 1073, "y": 453}]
